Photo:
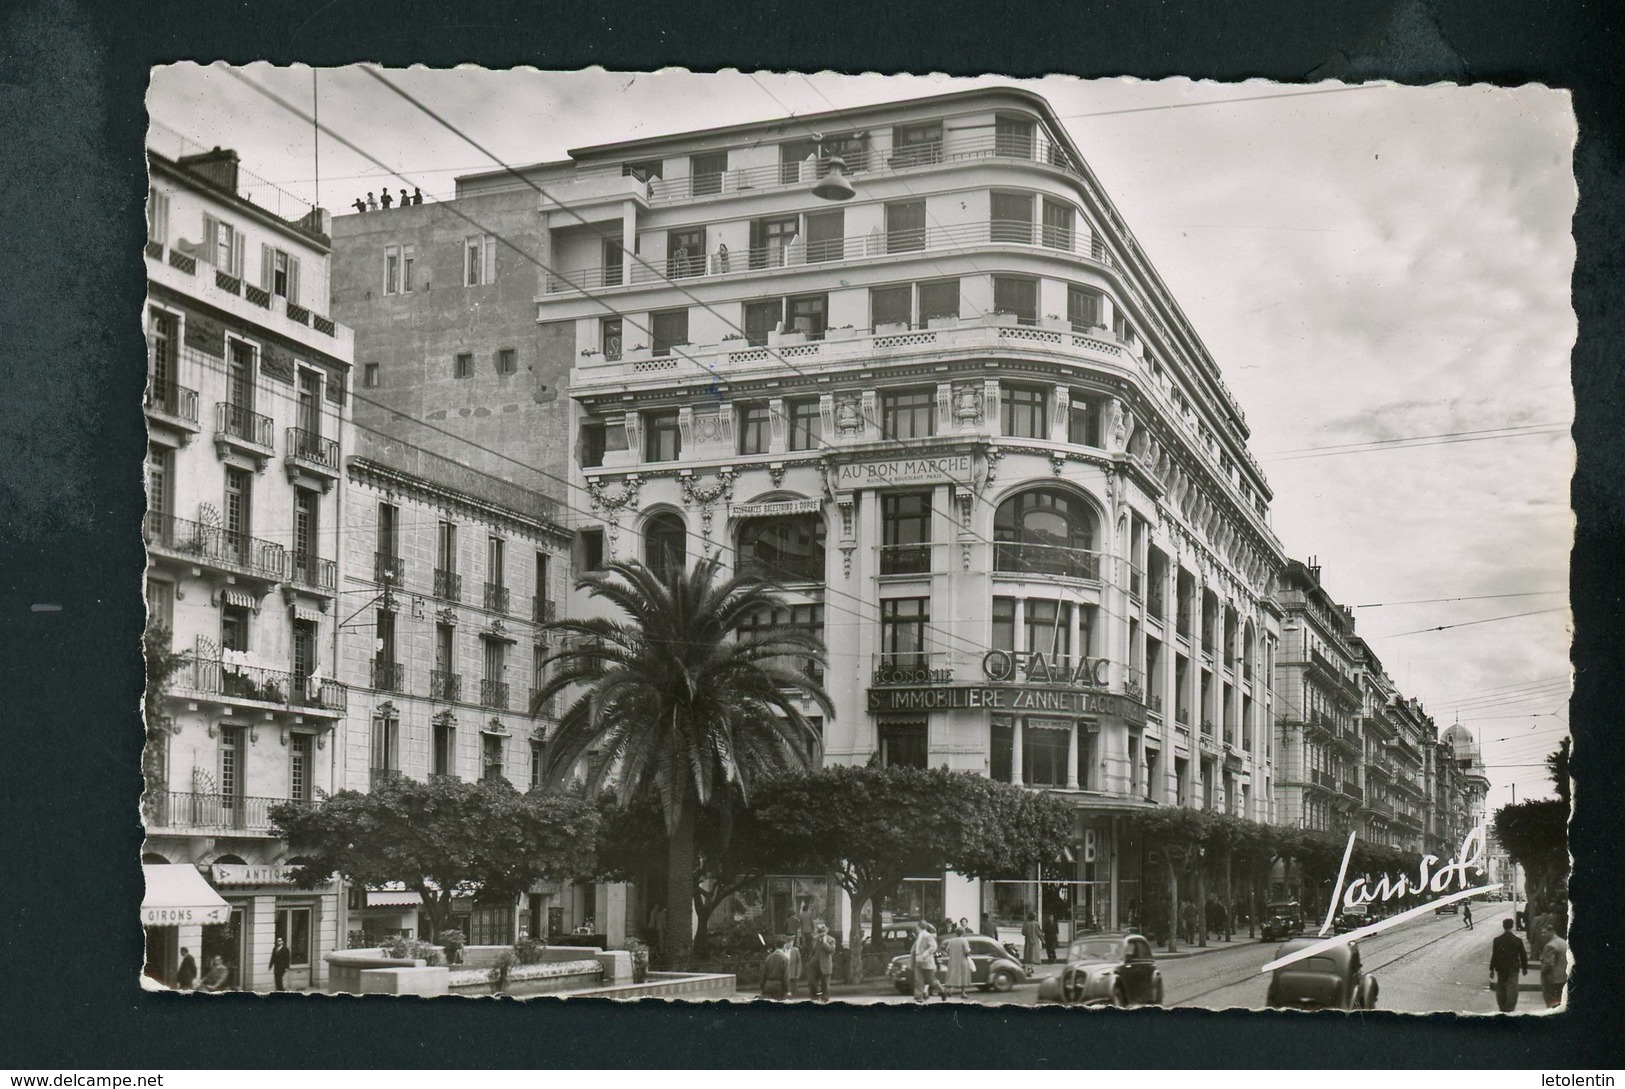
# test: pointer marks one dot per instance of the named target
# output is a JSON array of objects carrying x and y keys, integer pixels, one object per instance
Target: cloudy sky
[{"x": 1381, "y": 272}]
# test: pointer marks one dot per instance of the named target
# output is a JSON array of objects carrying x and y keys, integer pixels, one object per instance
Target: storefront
[
  {"x": 178, "y": 908},
  {"x": 265, "y": 904}
]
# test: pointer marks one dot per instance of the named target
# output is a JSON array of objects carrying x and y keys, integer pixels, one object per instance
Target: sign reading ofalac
[{"x": 944, "y": 469}]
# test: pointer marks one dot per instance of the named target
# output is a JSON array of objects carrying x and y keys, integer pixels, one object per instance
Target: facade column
[
  {"x": 1016, "y": 742},
  {"x": 1072, "y": 756},
  {"x": 629, "y": 242}
]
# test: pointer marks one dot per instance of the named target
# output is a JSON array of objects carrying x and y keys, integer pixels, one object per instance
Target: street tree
[
  {"x": 442, "y": 838},
  {"x": 872, "y": 827},
  {"x": 673, "y": 702},
  {"x": 1176, "y": 834}
]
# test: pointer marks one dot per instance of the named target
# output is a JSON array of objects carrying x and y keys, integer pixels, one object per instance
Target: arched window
[
  {"x": 788, "y": 548},
  {"x": 1248, "y": 646},
  {"x": 1045, "y": 531},
  {"x": 665, "y": 543}
]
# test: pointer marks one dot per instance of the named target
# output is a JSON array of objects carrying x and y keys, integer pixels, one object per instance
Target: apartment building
[
  {"x": 961, "y": 421},
  {"x": 1393, "y": 807},
  {"x": 248, "y": 414}
]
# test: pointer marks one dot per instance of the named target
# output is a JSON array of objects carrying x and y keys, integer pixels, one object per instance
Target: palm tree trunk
[
  {"x": 680, "y": 888},
  {"x": 1229, "y": 902}
]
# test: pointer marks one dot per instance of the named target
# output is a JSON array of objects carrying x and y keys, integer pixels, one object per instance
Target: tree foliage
[
  {"x": 441, "y": 838},
  {"x": 162, "y": 662},
  {"x": 871, "y": 827},
  {"x": 1535, "y": 835},
  {"x": 676, "y": 705}
]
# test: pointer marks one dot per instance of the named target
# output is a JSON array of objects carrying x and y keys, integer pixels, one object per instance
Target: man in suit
[
  {"x": 281, "y": 956},
  {"x": 187, "y": 975},
  {"x": 1508, "y": 960},
  {"x": 821, "y": 962}
]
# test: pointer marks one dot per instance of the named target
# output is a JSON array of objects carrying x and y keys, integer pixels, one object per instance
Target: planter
[
  {"x": 1059, "y": 325},
  {"x": 891, "y": 328},
  {"x": 1002, "y": 318},
  {"x": 847, "y": 333},
  {"x": 781, "y": 340},
  {"x": 943, "y": 323}
]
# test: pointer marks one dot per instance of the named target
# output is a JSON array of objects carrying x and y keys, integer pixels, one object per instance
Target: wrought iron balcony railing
[
  {"x": 543, "y": 611},
  {"x": 388, "y": 676},
  {"x": 496, "y": 597},
  {"x": 311, "y": 449},
  {"x": 493, "y": 693},
  {"x": 1041, "y": 559},
  {"x": 170, "y": 399},
  {"x": 192, "y": 811},
  {"x": 448, "y": 585},
  {"x": 216, "y": 546},
  {"x": 444, "y": 685},
  {"x": 243, "y": 424},
  {"x": 214, "y": 677},
  {"x": 388, "y": 568},
  {"x": 309, "y": 569},
  {"x": 540, "y": 706}
]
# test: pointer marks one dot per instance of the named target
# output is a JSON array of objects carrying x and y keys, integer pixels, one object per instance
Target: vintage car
[
  {"x": 1331, "y": 979},
  {"x": 1106, "y": 970},
  {"x": 1352, "y": 918},
  {"x": 993, "y": 966},
  {"x": 1282, "y": 919}
]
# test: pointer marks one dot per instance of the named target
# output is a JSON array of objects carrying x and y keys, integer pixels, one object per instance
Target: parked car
[
  {"x": 993, "y": 966},
  {"x": 1106, "y": 970},
  {"x": 1331, "y": 979},
  {"x": 1282, "y": 919}
]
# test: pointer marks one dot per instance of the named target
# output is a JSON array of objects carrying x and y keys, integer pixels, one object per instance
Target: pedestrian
[
  {"x": 958, "y": 977},
  {"x": 1467, "y": 914},
  {"x": 187, "y": 975},
  {"x": 405, "y": 200},
  {"x": 360, "y": 205},
  {"x": 989, "y": 928},
  {"x": 217, "y": 976},
  {"x": 1052, "y": 934},
  {"x": 1508, "y": 960},
  {"x": 281, "y": 957},
  {"x": 821, "y": 962},
  {"x": 386, "y": 200},
  {"x": 372, "y": 203},
  {"x": 417, "y": 196},
  {"x": 1031, "y": 939},
  {"x": 778, "y": 981},
  {"x": 1554, "y": 967},
  {"x": 925, "y": 963}
]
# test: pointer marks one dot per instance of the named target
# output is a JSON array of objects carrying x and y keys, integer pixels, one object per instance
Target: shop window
[
  {"x": 906, "y": 526},
  {"x": 903, "y": 745},
  {"x": 1044, "y": 747},
  {"x": 908, "y": 414},
  {"x": 293, "y": 927}
]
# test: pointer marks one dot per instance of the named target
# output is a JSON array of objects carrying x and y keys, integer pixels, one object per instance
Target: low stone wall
[
  {"x": 344, "y": 967},
  {"x": 486, "y": 956},
  {"x": 692, "y": 986},
  {"x": 748, "y": 970},
  {"x": 422, "y": 982},
  {"x": 528, "y": 979}
]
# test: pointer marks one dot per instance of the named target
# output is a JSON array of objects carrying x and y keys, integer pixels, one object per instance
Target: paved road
[{"x": 1430, "y": 965}]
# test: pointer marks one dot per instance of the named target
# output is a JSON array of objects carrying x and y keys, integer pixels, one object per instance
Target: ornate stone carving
[
  {"x": 993, "y": 456},
  {"x": 702, "y": 497},
  {"x": 775, "y": 473},
  {"x": 967, "y": 404},
  {"x": 847, "y": 418},
  {"x": 447, "y": 616},
  {"x": 604, "y": 499}
]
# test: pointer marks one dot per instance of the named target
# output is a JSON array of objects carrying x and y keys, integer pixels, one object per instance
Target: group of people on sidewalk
[
  {"x": 956, "y": 976},
  {"x": 218, "y": 977},
  {"x": 785, "y": 963},
  {"x": 1509, "y": 962}
]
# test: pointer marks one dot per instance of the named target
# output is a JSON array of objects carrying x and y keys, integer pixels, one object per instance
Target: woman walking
[{"x": 959, "y": 967}]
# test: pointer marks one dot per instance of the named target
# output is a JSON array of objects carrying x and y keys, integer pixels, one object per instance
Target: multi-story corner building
[
  {"x": 1319, "y": 746},
  {"x": 248, "y": 416},
  {"x": 1393, "y": 810},
  {"x": 1447, "y": 793},
  {"x": 449, "y": 575},
  {"x": 1475, "y": 780},
  {"x": 962, "y": 421}
]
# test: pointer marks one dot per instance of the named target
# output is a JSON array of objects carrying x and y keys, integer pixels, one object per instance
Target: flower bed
[{"x": 544, "y": 978}]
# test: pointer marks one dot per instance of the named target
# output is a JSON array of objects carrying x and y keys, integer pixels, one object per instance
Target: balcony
[
  {"x": 494, "y": 694},
  {"x": 377, "y": 777},
  {"x": 779, "y": 569},
  {"x": 1378, "y": 806},
  {"x": 1352, "y": 790},
  {"x": 212, "y": 677},
  {"x": 444, "y": 685},
  {"x": 448, "y": 585},
  {"x": 836, "y": 253},
  {"x": 542, "y": 610},
  {"x": 242, "y": 429},
  {"x": 310, "y": 454},
  {"x": 905, "y": 559},
  {"x": 188, "y": 812},
  {"x": 388, "y": 569},
  {"x": 496, "y": 597},
  {"x": 1010, "y": 557},
  {"x": 1324, "y": 779},
  {"x": 911, "y": 668},
  {"x": 1154, "y": 705},
  {"x": 388, "y": 676},
  {"x": 173, "y": 405},
  {"x": 308, "y": 571},
  {"x": 215, "y": 547},
  {"x": 543, "y": 707}
]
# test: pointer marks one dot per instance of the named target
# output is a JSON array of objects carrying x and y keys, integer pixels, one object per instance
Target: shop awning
[
  {"x": 393, "y": 899},
  {"x": 302, "y": 611},
  {"x": 177, "y": 895},
  {"x": 240, "y": 598}
]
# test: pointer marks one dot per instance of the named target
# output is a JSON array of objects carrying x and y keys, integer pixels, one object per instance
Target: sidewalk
[{"x": 1213, "y": 945}]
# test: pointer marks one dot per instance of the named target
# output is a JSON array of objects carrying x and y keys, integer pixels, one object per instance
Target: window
[
  {"x": 1044, "y": 746},
  {"x": 293, "y": 927},
  {"x": 160, "y": 487},
  {"x": 388, "y": 525},
  {"x": 1016, "y": 295},
  {"x": 538, "y": 765},
  {"x": 1045, "y": 531},
  {"x": 1058, "y": 230},
  {"x": 408, "y": 262},
  {"x": 162, "y": 338},
  {"x": 507, "y": 360},
  {"x": 386, "y": 756},
  {"x": 1013, "y": 136},
  {"x": 306, "y": 561},
  {"x": 463, "y": 366},
  {"x": 806, "y": 423},
  {"x": 685, "y": 252},
  {"x": 1004, "y": 623},
  {"x": 761, "y": 318},
  {"x": 594, "y": 437},
  {"x": 908, "y": 414},
  {"x": 891, "y": 305},
  {"x": 239, "y": 502},
  {"x": 905, "y": 226},
  {"x": 233, "y": 628},
  {"x": 445, "y": 557},
  {"x": 157, "y": 216},
  {"x": 223, "y": 246},
  {"x": 786, "y": 548},
  {"x": 916, "y": 145},
  {"x": 479, "y": 260},
  {"x": 662, "y": 438},
  {"x": 444, "y": 681},
  {"x": 161, "y": 605},
  {"x": 1021, "y": 412},
  {"x": 808, "y": 314},
  {"x": 308, "y": 416},
  {"x": 808, "y": 619},
  {"x": 299, "y": 767},
  {"x": 614, "y": 263},
  {"x": 386, "y": 675},
  {"x": 240, "y": 388},
  {"x": 644, "y": 170},
  {"x": 1012, "y": 218},
  {"x": 755, "y": 426},
  {"x": 1047, "y": 628},
  {"x": 494, "y": 685},
  {"x": 491, "y": 757},
  {"x": 903, "y": 621},
  {"x": 903, "y": 745},
  {"x": 609, "y": 338},
  {"x": 279, "y": 273},
  {"x": 939, "y": 299},
  {"x": 705, "y": 173},
  {"x": 1083, "y": 307},
  {"x": 496, "y": 554},
  {"x": 393, "y": 278},
  {"x": 906, "y": 518},
  {"x": 665, "y": 543},
  {"x": 369, "y": 375},
  {"x": 592, "y": 549},
  {"x": 445, "y": 750},
  {"x": 544, "y": 586},
  {"x": 824, "y": 235},
  {"x": 669, "y": 328},
  {"x": 231, "y": 768}
]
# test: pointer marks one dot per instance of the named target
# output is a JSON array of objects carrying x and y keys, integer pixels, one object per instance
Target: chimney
[
  {"x": 319, "y": 220},
  {"x": 217, "y": 167}
]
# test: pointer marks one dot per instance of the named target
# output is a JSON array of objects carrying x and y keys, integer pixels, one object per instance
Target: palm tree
[{"x": 676, "y": 704}]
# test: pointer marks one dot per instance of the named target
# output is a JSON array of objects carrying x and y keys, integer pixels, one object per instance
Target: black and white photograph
[{"x": 792, "y": 538}]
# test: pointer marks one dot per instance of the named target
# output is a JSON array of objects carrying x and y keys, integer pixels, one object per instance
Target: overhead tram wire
[
  {"x": 1416, "y": 442},
  {"x": 1465, "y": 597},
  {"x": 1469, "y": 623}
]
